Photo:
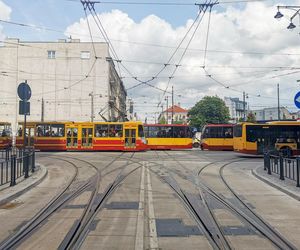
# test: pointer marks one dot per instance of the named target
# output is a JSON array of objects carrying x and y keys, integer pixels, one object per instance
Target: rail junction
[{"x": 187, "y": 199}]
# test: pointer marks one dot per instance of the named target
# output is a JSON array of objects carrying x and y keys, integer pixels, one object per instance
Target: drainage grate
[
  {"x": 71, "y": 206},
  {"x": 123, "y": 205},
  {"x": 237, "y": 230},
  {"x": 175, "y": 228}
]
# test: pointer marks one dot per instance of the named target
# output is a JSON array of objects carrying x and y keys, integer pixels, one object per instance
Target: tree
[
  {"x": 251, "y": 117},
  {"x": 162, "y": 120},
  {"x": 211, "y": 109}
]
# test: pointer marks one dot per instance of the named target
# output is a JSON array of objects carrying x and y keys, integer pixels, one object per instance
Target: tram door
[
  {"x": 265, "y": 142},
  {"x": 87, "y": 137},
  {"x": 29, "y": 139},
  {"x": 72, "y": 137},
  {"x": 130, "y": 138}
]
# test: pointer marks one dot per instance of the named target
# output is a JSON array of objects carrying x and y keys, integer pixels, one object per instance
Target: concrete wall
[{"x": 64, "y": 82}]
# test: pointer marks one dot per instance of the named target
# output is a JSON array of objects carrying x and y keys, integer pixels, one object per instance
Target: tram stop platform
[
  {"x": 8, "y": 193},
  {"x": 287, "y": 186}
]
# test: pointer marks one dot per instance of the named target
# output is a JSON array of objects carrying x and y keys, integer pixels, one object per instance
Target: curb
[
  {"x": 272, "y": 184},
  {"x": 27, "y": 188}
]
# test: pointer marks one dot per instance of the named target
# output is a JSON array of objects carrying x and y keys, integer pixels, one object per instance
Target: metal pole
[
  {"x": 244, "y": 106},
  {"x": 167, "y": 98},
  {"x": 25, "y": 114},
  {"x": 172, "y": 105},
  {"x": 43, "y": 110},
  {"x": 278, "y": 102},
  {"x": 92, "y": 106},
  {"x": 281, "y": 168},
  {"x": 298, "y": 172}
]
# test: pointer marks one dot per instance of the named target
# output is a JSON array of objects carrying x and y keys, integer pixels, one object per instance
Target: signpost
[
  {"x": 24, "y": 93},
  {"x": 297, "y": 100}
]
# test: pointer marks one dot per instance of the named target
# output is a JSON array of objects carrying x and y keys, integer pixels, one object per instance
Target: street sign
[
  {"x": 24, "y": 91},
  {"x": 297, "y": 100},
  {"x": 24, "y": 108}
]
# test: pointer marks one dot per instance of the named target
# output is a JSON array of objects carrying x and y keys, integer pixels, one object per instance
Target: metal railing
[
  {"x": 16, "y": 165},
  {"x": 285, "y": 167}
]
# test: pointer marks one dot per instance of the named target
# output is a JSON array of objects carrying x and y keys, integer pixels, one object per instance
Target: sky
[{"x": 235, "y": 48}]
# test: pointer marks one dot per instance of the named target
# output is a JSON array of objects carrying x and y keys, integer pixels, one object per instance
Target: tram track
[
  {"x": 59, "y": 201},
  {"x": 254, "y": 220}
]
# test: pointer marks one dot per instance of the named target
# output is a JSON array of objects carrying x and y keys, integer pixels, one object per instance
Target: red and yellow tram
[
  {"x": 5, "y": 135},
  {"x": 168, "y": 136},
  {"x": 217, "y": 137},
  {"x": 83, "y": 136}
]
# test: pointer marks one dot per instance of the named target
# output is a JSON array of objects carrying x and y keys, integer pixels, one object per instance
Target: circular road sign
[
  {"x": 297, "y": 100},
  {"x": 24, "y": 91}
]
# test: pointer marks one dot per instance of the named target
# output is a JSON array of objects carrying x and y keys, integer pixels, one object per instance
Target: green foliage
[
  {"x": 162, "y": 120},
  {"x": 251, "y": 117},
  {"x": 178, "y": 121},
  {"x": 211, "y": 109}
]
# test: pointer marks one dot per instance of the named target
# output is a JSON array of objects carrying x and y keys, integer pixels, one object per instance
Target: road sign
[
  {"x": 297, "y": 100},
  {"x": 24, "y": 108},
  {"x": 24, "y": 91}
]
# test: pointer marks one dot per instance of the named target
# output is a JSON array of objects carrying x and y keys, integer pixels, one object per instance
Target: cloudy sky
[{"x": 238, "y": 47}]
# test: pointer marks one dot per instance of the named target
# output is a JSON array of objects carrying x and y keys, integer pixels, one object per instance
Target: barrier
[
  {"x": 285, "y": 167},
  {"x": 14, "y": 166}
]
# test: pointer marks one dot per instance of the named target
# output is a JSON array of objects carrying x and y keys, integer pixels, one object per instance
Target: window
[
  {"x": 237, "y": 131},
  {"x": 141, "y": 131},
  {"x": 50, "y": 130},
  {"x": 51, "y": 54},
  {"x": 5, "y": 130},
  {"x": 85, "y": 55},
  {"x": 108, "y": 130},
  {"x": 101, "y": 130}
]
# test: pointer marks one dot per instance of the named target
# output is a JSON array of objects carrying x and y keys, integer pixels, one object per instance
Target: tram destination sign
[
  {"x": 24, "y": 91},
  {"x": 297, "y": 100}
]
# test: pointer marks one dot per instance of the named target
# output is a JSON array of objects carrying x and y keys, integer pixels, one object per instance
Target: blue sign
[{"x": 297, "y": 100}]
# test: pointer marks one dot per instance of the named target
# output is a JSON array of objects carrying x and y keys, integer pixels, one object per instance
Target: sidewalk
[
  {"x": 23, "y": 185},
  {"x": 287, "y": 186}
]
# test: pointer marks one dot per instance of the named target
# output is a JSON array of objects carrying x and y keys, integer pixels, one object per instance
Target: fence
[
  {"x": 285, "y": 167},
  {"x": 15, "y": 165}
]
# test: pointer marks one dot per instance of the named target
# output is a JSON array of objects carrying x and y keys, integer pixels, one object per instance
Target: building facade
[
  {"x": 70, "y": 80},
  {"x": 269, "y": 114},
  {"x": 236, "y": 108},
  {"x": 180, "y": 115}
]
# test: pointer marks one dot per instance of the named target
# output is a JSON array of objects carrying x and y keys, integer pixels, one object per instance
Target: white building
[
  {"x": 269, "y": 114},
  {"x": 180, "y": 115},
  {"x": 67, "y": 75},
  {"x": 236, "y": 108}
]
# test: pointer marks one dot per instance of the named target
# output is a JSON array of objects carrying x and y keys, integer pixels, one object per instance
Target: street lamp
[{"x": 280, "y": 15}]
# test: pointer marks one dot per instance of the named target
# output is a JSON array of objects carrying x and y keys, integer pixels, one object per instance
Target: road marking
[
  {"x": 139, "y": 240},
  {"x": 152, "y": 224}
]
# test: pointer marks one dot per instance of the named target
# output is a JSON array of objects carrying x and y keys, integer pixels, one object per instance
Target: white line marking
[
  {"x": 139, "y": 240},
  {"x": 152, "y": 225}
]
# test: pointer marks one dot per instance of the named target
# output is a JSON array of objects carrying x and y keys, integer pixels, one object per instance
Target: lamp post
[
  {"x": 92, "y": 106},
  {"x": 167, "y": 99},
  {"x": 294, "y": 8}
]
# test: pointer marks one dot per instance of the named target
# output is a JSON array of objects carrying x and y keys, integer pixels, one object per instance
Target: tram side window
[
  {"x": 253, "y": 133},
  {"x": 152, "y": 132},
  {"x": 4, "y": 131},
  {"x": 205, "y": 132},
  {"x": 50, "y": 130},
  {"x": 215, "y": 132},
  {"x": 115, "y": 130},
  {"x": 179, "y": 132},
  {"x": 20, "y": 130},
  {"x": 228, "y": 132},
  {"x": 101, "y": 130},
  {"x": 141, "y": 131},
  {"x": 237, "y": 131},
  {"x": 57, "y": 130}
]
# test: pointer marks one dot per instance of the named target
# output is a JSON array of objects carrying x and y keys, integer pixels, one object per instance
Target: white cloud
[
  {"x": 5, "y": 12},
  {"x": 251, "y": 29}
]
